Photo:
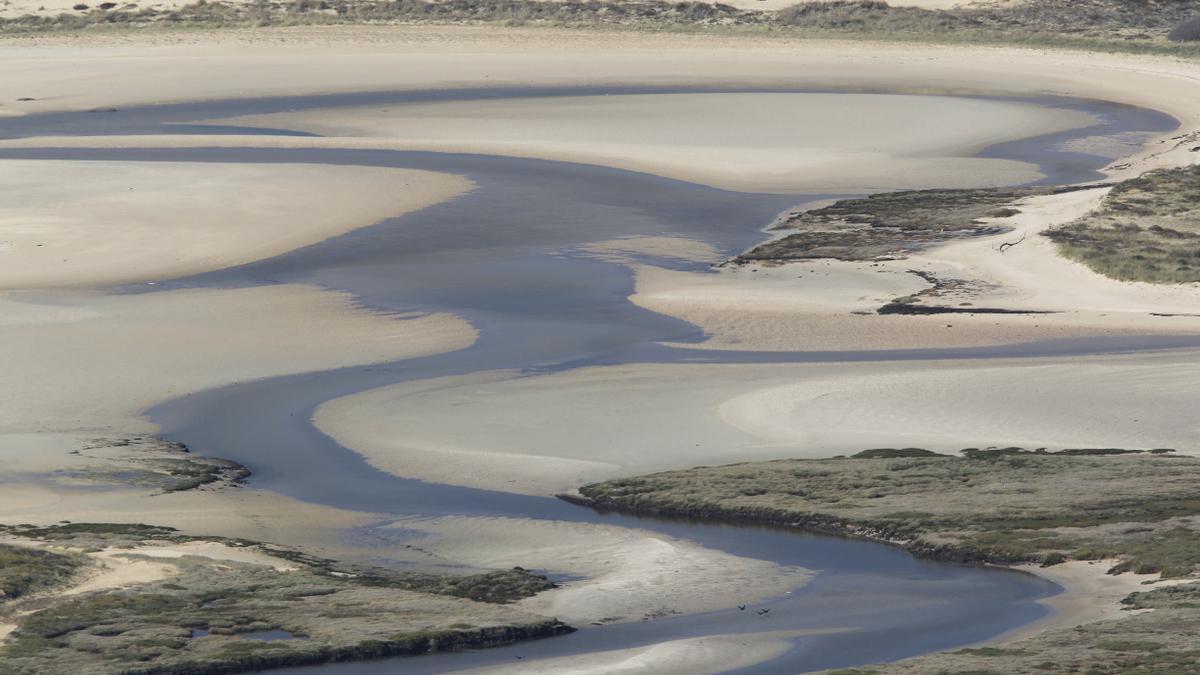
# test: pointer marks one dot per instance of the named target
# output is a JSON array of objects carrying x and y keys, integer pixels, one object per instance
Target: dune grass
[
  {"x": 26, "y": 570},
  {"x": 1146, "y": 229},
  {"x": 206, "y": 616},
  {"x": 1003, "y": 505}
]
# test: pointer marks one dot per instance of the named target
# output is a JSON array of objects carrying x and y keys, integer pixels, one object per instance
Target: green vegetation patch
[
  {"x": 500, "y": 587},
  {"x": 211, "y": 615},
  {"x": 1146, "y": 229},
  {"x": 890, "y": 225},
  {"x": 1001, "y": 505},
  {"x": 26, "y": 570}
]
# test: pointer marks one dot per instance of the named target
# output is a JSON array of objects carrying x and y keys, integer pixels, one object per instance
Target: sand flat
[
  {"x": 88, "y": 223},
  {"x": 780, "y": 142},
  {"x": 674, "y": 416}
]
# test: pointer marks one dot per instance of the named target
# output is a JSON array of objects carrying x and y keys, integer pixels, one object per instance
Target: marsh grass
[
  {"x": 891, "y": 225},
  {"x": 25, "y": 570},
  {"x": 1146, "y": 229},
  {"x": 1000, "y": 505},
  {"x": 334, "y": 612}
]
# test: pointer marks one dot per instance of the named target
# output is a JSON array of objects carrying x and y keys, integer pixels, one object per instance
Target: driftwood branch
[{"x": 1009, "y": 244}]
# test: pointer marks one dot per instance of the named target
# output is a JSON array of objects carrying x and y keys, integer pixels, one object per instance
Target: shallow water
[{"x": 506, "y": 257}]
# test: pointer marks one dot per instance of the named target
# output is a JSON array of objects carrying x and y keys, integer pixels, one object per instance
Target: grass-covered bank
[
  {"x": 892, "y": 225},
  {"x": 1150, "y": 26},
  {"x": 996, "y": 505},
  {"x": 28, "y": 570},
  {"x": 1146, "y": 229},
  {"x": 185, "y": 604}
]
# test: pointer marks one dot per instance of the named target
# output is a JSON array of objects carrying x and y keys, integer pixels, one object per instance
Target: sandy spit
[
  {"x": 89, "y": 223},
  {"x": 546, "y": 434}
]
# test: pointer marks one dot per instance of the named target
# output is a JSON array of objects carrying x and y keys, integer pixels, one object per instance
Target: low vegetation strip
[
  {"x": 26, "y": 570},
  {"x": 241, "y": 612},
  {"x": 1146, "y": 229},
  {"x": 1145, "y": 26},
  {"x": 891, "y": 225},
  {"x": 999, "y": 505}
]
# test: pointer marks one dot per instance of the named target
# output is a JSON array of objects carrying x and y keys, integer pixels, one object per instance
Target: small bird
[
  {"x": 763, "y": 611},
  {"x": 742, "y": 607}
]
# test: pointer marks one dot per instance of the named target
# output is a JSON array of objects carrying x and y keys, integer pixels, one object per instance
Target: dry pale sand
[
  {"x": 77, "y": 223},
  {"x": 626, "y": 574},
  {"x": 775, "y": 143},
  {"x": 544, "y": 434},
  {"x": 694, "y": 656}
]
